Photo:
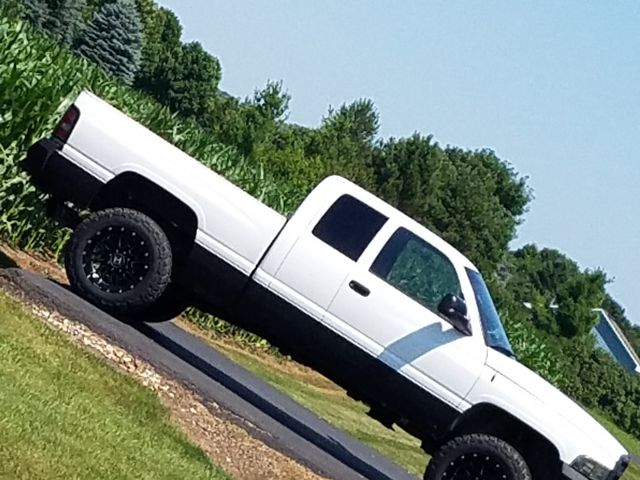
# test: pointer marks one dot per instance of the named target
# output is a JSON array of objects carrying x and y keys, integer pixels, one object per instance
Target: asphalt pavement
[{"x": 266, "y": 413}]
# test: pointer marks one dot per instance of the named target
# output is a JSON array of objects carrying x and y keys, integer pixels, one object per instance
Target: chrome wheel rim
[{"x": 116, "y": 260}]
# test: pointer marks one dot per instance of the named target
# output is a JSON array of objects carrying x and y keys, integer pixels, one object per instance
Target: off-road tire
[
  {"x": 152, "y": 248},
  {"x": 473, "y": 451}
]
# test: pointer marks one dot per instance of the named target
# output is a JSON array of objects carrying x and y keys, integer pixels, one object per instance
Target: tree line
[{"x": 471, "y": 198}]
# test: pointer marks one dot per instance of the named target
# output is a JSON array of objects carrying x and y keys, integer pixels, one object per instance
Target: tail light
[{"x": 66, "y": 124}]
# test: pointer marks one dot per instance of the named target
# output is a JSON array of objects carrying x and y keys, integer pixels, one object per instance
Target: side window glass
[
  {"x": 417, "y": 269},
  {"x": 349, "y": 225}
]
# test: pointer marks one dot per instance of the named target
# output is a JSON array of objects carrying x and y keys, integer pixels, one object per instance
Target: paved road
[{"x": 269, "y": 415}]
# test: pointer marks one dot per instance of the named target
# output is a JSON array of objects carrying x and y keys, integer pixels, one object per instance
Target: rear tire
[
  {"x": 119, "y": 260},
  {"x": 477, "y": 456}
]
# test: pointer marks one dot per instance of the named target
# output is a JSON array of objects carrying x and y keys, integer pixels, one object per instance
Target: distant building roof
[{"x": 610, "y": 338}]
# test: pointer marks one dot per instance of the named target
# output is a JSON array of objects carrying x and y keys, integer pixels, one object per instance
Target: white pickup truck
[{"x": 347, "y": 284}]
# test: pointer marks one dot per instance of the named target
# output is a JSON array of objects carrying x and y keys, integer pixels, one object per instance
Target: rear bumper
[
  {"x": 38, "y": 156},
  {"x": 51, "y": 172}
]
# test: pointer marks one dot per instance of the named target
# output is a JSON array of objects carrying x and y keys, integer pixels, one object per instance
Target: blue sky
[{"x": 553, "y": 87}]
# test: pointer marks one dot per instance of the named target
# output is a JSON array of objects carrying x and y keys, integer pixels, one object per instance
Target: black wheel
[
  {"x": 120, "y": 260},
  {"x": 477, "y": 457}
]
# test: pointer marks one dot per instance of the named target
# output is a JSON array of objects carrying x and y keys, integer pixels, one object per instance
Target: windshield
[{"x": 494, "y": 334}]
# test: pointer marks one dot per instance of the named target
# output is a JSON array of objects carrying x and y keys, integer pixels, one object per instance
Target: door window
[
  {"x": 349, "y": 225},
  {"x": 417, "y": 269}
]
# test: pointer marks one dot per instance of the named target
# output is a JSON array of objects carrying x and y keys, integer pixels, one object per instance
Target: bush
[{"x": 534, "y": 352}]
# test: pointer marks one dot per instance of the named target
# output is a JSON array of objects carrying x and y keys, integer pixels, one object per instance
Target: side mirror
[{"x": 454, "y": 310}]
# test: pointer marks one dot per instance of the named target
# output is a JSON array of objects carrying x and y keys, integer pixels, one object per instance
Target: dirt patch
[{"x": 34, "y": 262}]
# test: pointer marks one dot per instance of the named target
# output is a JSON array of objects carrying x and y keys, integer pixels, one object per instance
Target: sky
[{"x": 552, "y": 87}]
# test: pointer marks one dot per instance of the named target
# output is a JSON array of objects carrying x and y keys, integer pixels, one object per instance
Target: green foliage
[
  {"x": 113, "y": 40},
  {"x": 531, "y": 349},
  {"x": 598, "y": 381},
  {"x": 562, "y": 297},
  {"x": 11, "y": 8},
  {"x": 346, "y": 141},
  {"x": 272, "y": 102},
  {"x": 64, "y": 20},
  {"x": 37, "y": 81},
  {"x": 253, "y": 125},
  {"x": 226, "y": 329}
]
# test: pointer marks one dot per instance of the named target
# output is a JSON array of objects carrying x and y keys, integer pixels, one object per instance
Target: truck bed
[{"x": 231, "y": 223}]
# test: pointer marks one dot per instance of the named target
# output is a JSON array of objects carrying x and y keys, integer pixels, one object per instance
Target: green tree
[
  {"x": 65, "y": 20},
  {"x": 561, "y": 296},
  {"x": 189, "y": 82},
  {"x": 11, "y": 8},
  {"x": 113, "y": 39},
  {"x": 263, "y": 117},
  {"x": 346, "y": 141},
  {"x": 161, "y": 40},
  {"x": 252, "y": 124}
]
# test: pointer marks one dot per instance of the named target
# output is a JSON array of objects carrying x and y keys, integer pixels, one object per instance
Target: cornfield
[{"x": 38, "y": 80}]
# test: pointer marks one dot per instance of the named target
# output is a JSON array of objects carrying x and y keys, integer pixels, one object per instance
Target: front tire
[
  {"x": 119, "y": 260},
  {"x": 477, "y": 456}
]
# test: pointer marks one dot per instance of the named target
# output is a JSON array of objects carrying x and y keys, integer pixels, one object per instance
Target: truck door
[
  {"x": 325, "y": 253},
  {"x": 391, "y": 299}
]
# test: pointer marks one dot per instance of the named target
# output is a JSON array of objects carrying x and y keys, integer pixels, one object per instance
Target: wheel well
[
  {"x": 177, "y": 219},
  {"x": 539, "y": 453}
]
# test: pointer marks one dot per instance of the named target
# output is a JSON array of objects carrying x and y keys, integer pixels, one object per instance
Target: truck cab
[{"x": 407, "y": 324}]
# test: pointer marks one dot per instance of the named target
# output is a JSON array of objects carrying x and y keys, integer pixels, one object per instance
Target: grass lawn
[{"x": 64, "y": 414}]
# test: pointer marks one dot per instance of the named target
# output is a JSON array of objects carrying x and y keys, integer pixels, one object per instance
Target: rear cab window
[{"x": 349, "y": 225}]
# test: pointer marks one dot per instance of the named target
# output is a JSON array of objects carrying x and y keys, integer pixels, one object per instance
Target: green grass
[{"x": 64, "y": 414}]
